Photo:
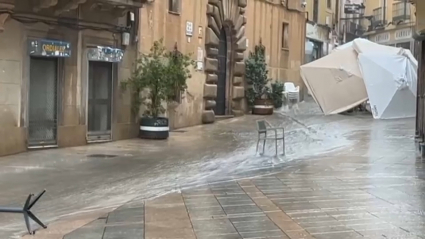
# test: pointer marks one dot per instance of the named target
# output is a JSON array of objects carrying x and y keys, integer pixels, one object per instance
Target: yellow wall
[
  {"x": 264, "y": 21},
  {"x": 390, "y": 28},
  {"x": 324, "y": 11},
  {"x": 371, "y": 5}
]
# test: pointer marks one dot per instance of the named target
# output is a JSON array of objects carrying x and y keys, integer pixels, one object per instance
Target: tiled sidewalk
[{"x": 286, "y": 205}]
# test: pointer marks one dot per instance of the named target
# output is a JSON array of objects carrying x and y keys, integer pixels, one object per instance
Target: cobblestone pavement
[
  {"x": 309, "y": 201},
  {"x": 333, "y": 197},
  {"x": 342, "y": 177}
]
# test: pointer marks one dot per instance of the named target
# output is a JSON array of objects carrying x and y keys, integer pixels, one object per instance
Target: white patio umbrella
[
  {"x": 335, "y": 81},
  {"x": 391, "y": 84}
]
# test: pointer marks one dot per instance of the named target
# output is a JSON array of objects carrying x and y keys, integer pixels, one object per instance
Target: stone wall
[
  {"x": 72, "y": 78},
  {"x": 246, "y": 23}
]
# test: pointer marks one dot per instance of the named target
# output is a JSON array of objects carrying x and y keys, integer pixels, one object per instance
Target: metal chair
[{"x": 263, "y": 127}]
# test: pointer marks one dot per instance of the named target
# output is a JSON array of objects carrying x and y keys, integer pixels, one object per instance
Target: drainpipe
[
  {"x": 384, "y": 11},
  {"x": 336, "y": 28}
]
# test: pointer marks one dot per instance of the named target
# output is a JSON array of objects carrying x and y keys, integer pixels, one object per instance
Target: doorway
[
  {"x": 99, "y": 101},
  {"x": 43, "y": 103},
  {"x": 220, "y": 108}
]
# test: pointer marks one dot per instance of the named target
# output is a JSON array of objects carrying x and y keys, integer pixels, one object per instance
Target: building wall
[
  {"x": 72, "y": 79},
  {"x": 10, "y": 89},
  {"x": 320, "y": 33},
  {"x": 323, "y": 10},
  {"x": 393, "y": 33},
  {"x": 264, "y": 21}
]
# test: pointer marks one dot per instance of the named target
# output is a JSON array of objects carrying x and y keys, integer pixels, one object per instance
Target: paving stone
[
  {"x": 254, "y": 218},
  {"x": 220, "y": 236},
  {"x": 264, "y": 234},
  {"x": 255, "y": 226},
  {"x": 231, "y": 210},
  {"x": 327, "y": 229},
  {"x": 388, "y": 233},
  {"x": 124, "y": 232},
  {"x": 127, "y": 215},
  {"x": 156, "y": 233},
  {"x": 93, "y": 230},
  {"x": 307, "y": 225},
  {"x": 339, "y": 235},
  {"x": 206, "y": 213},
  {"x": 302, "y": 234},
  {"x": 218, "y": 225},
  {"x": 235, "y": 202},
  {"x": 157, "y": 213}
]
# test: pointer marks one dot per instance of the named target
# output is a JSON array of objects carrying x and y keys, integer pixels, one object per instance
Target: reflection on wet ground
[{"x": 377, "y": 156}]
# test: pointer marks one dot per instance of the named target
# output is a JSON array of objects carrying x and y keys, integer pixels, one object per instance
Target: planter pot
[
  {"x": 262, "y": 107},
  {"x": 154, "y": 128}
]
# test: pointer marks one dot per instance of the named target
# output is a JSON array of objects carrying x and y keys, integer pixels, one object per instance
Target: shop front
[
  {"x": 102, "y": 69},
  {"x": 398, "y": 38},
  {"x": 45, "y": 75},
  {"x": 317, "y": 42}
]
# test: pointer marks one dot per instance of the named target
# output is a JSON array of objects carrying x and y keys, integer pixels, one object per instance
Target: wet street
[{"x": 343, "y": 176}]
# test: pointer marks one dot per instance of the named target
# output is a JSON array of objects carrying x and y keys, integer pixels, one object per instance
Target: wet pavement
[{"x": 343, "y": 177}]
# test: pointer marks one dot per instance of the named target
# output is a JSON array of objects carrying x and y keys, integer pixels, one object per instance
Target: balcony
[
  {"x": 124, "y": 3},
  {"x": 354, "y": 29},
  {"x": 401, "y": 12},
  {"x": 378, "y": 21},
  {"x": 61, "y": 6}
]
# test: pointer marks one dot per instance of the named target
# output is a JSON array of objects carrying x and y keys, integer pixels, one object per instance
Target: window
[
  {"x": 401, "y": 11},
  {"x": 285, "y": 35},
  {"x": 174, "y": 6},
  {"x": 378, "y": 16},
  {"x": 316, "y": 11},
  {"x": 329, "y": 3},
  {"x": 405, "y": 45}
]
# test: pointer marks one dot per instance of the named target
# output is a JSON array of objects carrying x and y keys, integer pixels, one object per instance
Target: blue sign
[
  {"x": 49, "y": 48},
  {"x": 107, "y": 54}
]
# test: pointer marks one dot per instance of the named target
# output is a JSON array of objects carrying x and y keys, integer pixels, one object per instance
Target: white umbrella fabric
[
  {"x": 391, "y": 84},
  {"x": 335, "y": 81}
]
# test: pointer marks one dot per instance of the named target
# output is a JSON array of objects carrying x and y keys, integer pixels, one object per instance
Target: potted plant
[
  {"x": 257, "y": 78},
  {"x": 158, "y": 76},
  {"x": 276, "y": 94}
]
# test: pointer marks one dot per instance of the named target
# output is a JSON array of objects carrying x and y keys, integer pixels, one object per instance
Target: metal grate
[
  {"x": 101, "y": 156},
  {"x": 43, "y": 95}
]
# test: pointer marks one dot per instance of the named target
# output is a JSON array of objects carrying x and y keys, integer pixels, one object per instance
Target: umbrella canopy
[
  {"x": 391, "y": 84},
  {"x": 365, "y": 46},
  {"x": 335, "y": 81}
]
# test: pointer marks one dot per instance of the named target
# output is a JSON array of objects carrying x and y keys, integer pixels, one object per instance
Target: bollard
[{"x": 26, "y": 211}]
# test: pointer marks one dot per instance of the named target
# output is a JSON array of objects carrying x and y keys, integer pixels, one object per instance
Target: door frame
[
  {"x": 87, "y": 85},
  {"x": 225, "y": 42},
  {"x": 59, "y": 81}
]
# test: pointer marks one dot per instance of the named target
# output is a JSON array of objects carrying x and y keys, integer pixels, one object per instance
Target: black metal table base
[{"x": 26, "y": 211}]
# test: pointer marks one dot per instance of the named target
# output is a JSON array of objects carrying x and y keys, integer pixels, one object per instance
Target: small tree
[
  {"x": 257, "y": 74},
  {"x": 161, "y": 73}
]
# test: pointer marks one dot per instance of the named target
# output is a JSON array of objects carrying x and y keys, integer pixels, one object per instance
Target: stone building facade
[
  {"x": 220, "y": 34},
  {"x": 60, "y": 65},
  {"x": 61, "y": 62}
]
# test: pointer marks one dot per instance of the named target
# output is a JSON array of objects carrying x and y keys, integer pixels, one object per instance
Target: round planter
[
  {"x": 154, "y": 128},
  {"x": 262, "y": 107}
]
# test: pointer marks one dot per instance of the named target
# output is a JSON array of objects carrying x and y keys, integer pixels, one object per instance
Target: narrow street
[{"x": 333, "y": 153}]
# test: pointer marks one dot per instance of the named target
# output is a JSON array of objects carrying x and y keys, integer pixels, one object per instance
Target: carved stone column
[{"x": 7, "y": 5}]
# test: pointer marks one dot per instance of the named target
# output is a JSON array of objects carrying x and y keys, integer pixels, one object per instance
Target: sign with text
[
  {"x": 353, "y": 6},
  {"x": 49, "y": 48},
  {"x": 104, "y": 53}
]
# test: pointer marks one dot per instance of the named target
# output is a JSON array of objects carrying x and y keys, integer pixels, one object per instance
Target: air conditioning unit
[{"x": 420, "y": 18}]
